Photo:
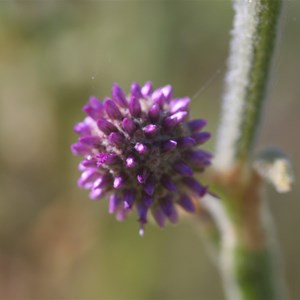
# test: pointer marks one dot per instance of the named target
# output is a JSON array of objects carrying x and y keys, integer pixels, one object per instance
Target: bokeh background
[{"x": 54, "y": 242}]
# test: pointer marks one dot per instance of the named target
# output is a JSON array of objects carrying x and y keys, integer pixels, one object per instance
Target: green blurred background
[{"x": 54, "y": 242}]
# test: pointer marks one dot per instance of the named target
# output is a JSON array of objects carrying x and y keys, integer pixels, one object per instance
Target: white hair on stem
[{"x": 236, "y": 81}]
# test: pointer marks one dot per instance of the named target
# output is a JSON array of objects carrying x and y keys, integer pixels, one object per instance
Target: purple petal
[
  {"x": 186, "y": 142},
  {"x": 181, "y": 104},
  {"x": 79, "y": 149},
  {"x": 131, "y": 162},
  {"x": 88, "y": 163},
  {"x": 142, "y": 211},
  {"x": 196, "y": 125},
  {"x": 167, "y": 91},
  {"x": 119, "y": 181},
  {"x": 91, "y": 112},
  {"x": 141, "y": 148},
  {"x": 168, "y": 183},
  {"x": 116, "y": 139},
  {"x": 94, "y": 108},
  {"x": 112, "y": 110},
  {"x": 129, "y": 197},
  {"x": 90, "y": 140},
  {"x": 154, "y": 112},
  {"x": 158, "y": 98},
  {"x": 89, "y": 121},
  {"x": 114, "y": 202},
  {"x": 96, "y": 104},
  {"x": 119, "y": 96},
  {"x": 150, "y": 130},
  {"x": 142, "y": 176},
  {"x": 121, "y": 214},
  {"x": 135, "y": 107},
  {"x": 102, "y": 181},
  {"x": 198, "y": 154},
  {"x": 166, "y": 204},
  {"x": 106, "y": 126},
  {"x": 157, "y": 94},
  {"x": 159, "y": 216},
  {"x": 146, "y": 89},
  {"x": 198, "y": 158},
  {"x": 186, "y": 203},
  {"x": 81, "y": 167},
  {"x": 96, "y": 194},
  {"x": 195, "y": 186},
  {"x": 82, "y": 128},
  {"x": 136, "y": 90},
  {"x": 128, "y": 125},
  {"x": 86, "y": 177},
  {"x": 147, "y": 200},
  {"x": 172, "y": 121},
  {"x": 106, "y": 158},
  {"x": 183, "y": 169},
  {"x": 149, "y": 186},
  {"x": 201, "y": 137},
  {"x": 168, "y": 145}
]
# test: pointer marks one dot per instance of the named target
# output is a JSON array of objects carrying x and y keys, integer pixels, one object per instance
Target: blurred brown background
[{"x": 54, "y": 242}]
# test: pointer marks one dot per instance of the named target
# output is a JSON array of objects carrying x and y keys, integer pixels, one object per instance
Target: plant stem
[
  {"x": 251, "y": 49},
  {"x": 248, "y": 258},
  {"x": 247, "y": 261}
]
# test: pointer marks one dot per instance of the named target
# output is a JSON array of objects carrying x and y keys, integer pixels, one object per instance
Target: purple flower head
[{"x": 141, "y": 152}]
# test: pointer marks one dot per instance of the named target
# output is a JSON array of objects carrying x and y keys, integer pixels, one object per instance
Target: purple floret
[{"x": 141, "y": 152}]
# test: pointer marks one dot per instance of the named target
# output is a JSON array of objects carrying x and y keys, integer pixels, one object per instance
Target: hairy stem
[
  {"x": 247, "y": 262},
  {"x": 253, "y": 40}
]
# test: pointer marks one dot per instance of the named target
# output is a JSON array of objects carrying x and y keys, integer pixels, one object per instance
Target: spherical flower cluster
[{"x": 141, "y": 151}]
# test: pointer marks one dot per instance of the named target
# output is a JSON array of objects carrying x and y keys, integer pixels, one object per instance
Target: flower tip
[
  {"x": 135, "y": 106},
  {"x": 154, "y": 112},
  {"x": 150, "y": 130},
  {"x": 196, "y": 125},
  {"x": 172, "y": 121},
  {"x": 169, "y": 145},
  {"x": 105, "y": 126},
  {"x": 136, "y": 90},
  {"x": 146, "y": 89},
  {"x": 202, "y": 137},
  {"x": 141, "y": 148},
  {"x": 179, "y": 104},
  {"x": 118, "y": 182},
  {"x": 186, "y": 203},
  {"x": 167, "y": 91},
  {"x": 128, "y": 125},
  {"x": 131, "y": 162},
  {"x": 112, "y": 110},
  {"x": 118, "y": 95}
]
